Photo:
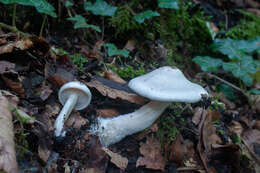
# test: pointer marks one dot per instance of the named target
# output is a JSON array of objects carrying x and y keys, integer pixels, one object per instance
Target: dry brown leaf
[
  {"x": 256, "y": 102},
  {"x": 118, "y": 160},
  {"x": 7, "y": 146},
  {"x": 15, "y": 85},
  {"x": 236, "y": 128},
  {"x": 209, "y": 134},
  {"x": 130, "y": 45},
  {"x": 76, "y": 121},
  {"x": 98, "y": 158},
  {"x": 107, "y": 113},
  {"x": 12, "y": 99},
  {"x": 114, "y": 93},
  {"x": 152, "y": 156},
  {"x": 45, "y": 91},
  {"x": 251, "y": 138},
  {"x": 6, "y": 66},
  {"x": 197, "y": 115},
  {"x": 110, "y": 75},
  {"x": 23, "y": 44},
  {"x": 44, "y": 154},
  {"x": 182, "y": 151},
  {"x": 256, "y": 125}
]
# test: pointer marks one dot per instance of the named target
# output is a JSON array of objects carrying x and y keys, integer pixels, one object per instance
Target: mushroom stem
[
  {"x": 64, "y": 114},
  {"x": 112, "y": 130}
]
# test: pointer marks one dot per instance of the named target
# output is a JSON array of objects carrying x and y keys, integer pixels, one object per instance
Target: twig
[
  {"x": 228, "y": 83},
  {"x": 189, "y": 169},
  {"x": 14, "y": 29}
]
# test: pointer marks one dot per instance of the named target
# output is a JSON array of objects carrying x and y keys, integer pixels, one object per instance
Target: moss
[
  {"x": 128, "y": 72},
  {"x": 248, "y": 28},
  {"x": 183, "y": 30}
]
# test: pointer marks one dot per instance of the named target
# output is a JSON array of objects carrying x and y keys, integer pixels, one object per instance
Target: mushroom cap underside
[{"x": 75, "y": 87}]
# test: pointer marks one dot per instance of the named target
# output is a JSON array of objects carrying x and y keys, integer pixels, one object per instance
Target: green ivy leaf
[
  {"x": 227, "y": 90},
  {"x": 242, "y": 69},
  {"x": 227, "y": 47},
  {"x": 112, "y": 50},
  {"x": 21, "y": 2},
  {"x": 249, "y": 46},
  {"x": 145, "y": 15},
  {"x": 208, "y": 63},
  {"x": 172, "y": 4},
  {"x": 68, "y": 4},
  {"x": 254, "y": 91},
  {"x": 42, "y": 6},
  {"x": 8, "y": 1},
  {"x": 80, "y": 22},
  {"x": 100, "y": 7}
]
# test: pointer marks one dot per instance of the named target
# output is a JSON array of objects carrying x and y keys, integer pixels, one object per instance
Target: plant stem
[
  {"x": 14, "y": 29},
  {"x": 43, "y": 24},
  {"x": 14, "y": 15}
]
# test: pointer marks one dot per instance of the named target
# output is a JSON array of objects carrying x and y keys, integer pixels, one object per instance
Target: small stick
[{"x": 14, "y": 29}]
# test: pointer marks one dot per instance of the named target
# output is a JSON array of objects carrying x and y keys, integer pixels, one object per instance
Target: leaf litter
[{"x": 217, "y": 147}]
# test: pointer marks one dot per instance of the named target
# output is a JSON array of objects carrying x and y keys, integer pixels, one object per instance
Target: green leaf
[
  {"x": 172, "y": 4},
  {"x": 100, "y": 7},
  {"x": 8, "y": 1},
  {"x": 80, "y": 22},
  {"x": 249, "y": 46},
  {"x": 145, "y": 15},
  {"x": 227, "y": 47},
  {"x": 208, "y": 63},
  {"x": 242, "y": 69},
  {"x": 254, "y": 91},
  {"x": 68, "y": 4},
  {"x": 227, "y": 90},
  {"x": 112, "y": 50},
  {"x": 42, "y": 6},
  {"x": 234, "y": 49}
]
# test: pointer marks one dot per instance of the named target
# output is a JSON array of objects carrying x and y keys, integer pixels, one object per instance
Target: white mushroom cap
[
  {"x": 75, "y": 87},
  {"x": 167, "y": 84}
]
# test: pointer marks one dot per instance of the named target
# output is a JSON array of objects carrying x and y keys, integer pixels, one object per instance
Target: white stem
[
  {"x": 112, "y": 130},
  {"x": 64, "y": 114}
]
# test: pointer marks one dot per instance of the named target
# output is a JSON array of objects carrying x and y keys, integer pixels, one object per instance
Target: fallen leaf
[
  {"x": 76, "y": 121},
  {"x": 182, "y": 151},
  {"x": 12, "y": 99},
  {"x": 118, "y": 160},
  {"x": 107, "y": 113},
  {"x": 6, "y": 66},
  {"x": 98, "y": 158},
  {"x": 197, "y": 115},
  {"x": 43, "y": 154},
  {"x": 236, "y": 128},
  {"x": 130, "y": 45},
  {"x": 256, "y": 125},
  {"x": 8, "y": 161},
  {"x": 251, "y": 138},
  {"x": 152, "y": 157},
  {"x": 110, "y": 75},
  {"x": 114, "y": 93},
  {"x": 45, "y": 91},
  {"x": 209, "y": 134},
  {"x": 23, "y": 44},
  {"x": 14, "y": 84}
]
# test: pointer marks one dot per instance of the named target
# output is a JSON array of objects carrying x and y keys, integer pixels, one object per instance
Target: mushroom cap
[
  {"x": 167, "y": 84},
  {"x": 75, "y": 87}
]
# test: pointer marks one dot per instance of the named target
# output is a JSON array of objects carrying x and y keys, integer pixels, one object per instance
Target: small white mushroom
[
  {"x": 162, "y": 86},
  {"x": 72, "y": 95}
]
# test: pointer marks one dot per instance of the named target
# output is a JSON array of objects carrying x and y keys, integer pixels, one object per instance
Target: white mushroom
[
  {"x": 162, "y": 86},
  {"x": 73, "y": 95}
]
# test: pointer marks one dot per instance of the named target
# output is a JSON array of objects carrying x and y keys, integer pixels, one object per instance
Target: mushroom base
[{"x": 112, "y": 130}]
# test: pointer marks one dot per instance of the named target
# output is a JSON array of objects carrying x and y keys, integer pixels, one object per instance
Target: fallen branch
[{"x": 7, "y": 146}]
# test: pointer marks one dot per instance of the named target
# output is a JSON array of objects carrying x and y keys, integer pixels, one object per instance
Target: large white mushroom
[{"x": 162, "y": 86}]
